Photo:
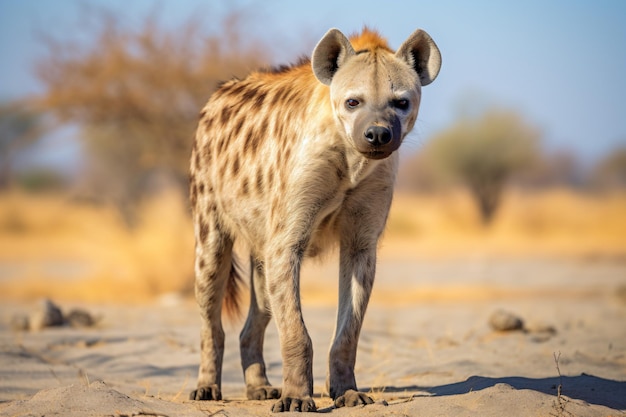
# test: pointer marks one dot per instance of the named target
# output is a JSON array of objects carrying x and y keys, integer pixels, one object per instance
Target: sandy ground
[{"x": 426, "y": 348}]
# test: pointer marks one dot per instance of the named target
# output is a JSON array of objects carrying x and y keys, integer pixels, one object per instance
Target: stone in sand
[
  {"x": 47, "y": 315},
  {"x": 504, "y": 321}
]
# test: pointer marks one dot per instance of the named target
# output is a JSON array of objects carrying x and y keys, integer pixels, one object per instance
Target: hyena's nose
[{"x": 378, "y": 135}]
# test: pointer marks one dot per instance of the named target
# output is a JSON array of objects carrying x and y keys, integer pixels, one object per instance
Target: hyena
[{"x": 288, "y": 161}]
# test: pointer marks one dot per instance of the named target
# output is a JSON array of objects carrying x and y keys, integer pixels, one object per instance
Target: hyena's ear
[
  {"x": 422, "y": 54},
  {"x": 329, "y": 54}
]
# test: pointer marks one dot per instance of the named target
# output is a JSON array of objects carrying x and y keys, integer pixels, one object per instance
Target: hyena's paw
[
  {"x": 352, "y": 398},
  {"x": 206, "y": 393},
  {"x": 304, "y": 405},
  {"x": 264, "y": 392}
]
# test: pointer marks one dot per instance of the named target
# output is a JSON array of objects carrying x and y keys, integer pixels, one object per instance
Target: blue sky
[{"x": 562, "y": 64}]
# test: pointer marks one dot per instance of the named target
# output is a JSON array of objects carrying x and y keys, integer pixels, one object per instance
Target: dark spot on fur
[
  {"x": 245, "y": 187},
  {"x": 240, "y": 87},
  {"x": 260, "y": 99},
  {"x": 292, "y": 99},
  {"x": 197, "y": 160},
  {"x": 251, "y": 141},
  {"x": 259, "y": 181},
  {"x": 222, "y": 145},
  {"x": 201, "y": 264},
  {"x": 206, "y": 150},
  {"x": 224, "y": 87},
  {"x": 262, "y": 132},
  {"x": 238, "y": 125},
  {"x": 248, "y": 95},
  {"x": 278, "y": 96},
  {"x": 225, "y": 165},
  {"x": 236, "y": 166},
  {"x": 194, "y": 193},
  {"x": 201, "y": 188},
  {"x": 225, "y": 115},
  {"x": 204, "y": 231},
  {"x": 254, "y": 96}
]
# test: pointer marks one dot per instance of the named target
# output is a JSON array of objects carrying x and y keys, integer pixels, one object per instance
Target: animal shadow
[{"x": 588, "y": 388}]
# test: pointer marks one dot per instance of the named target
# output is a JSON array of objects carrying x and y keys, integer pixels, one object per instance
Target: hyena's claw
[
  {"x": 266, "y": 392},
  {"x": 206, "y": 393},
  {"x": 305, "y": 405},
  {"x": 352, "y": 398}
]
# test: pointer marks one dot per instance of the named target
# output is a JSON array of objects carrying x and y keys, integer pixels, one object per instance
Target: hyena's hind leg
[
  {"x": 252, "y": 337},
  {"x": 213, "y": 267}
]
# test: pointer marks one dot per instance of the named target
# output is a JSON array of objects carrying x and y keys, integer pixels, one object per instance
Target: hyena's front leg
[
  {"x": 283, "y": 276},
  {"x": 252, "y": 336},
  {"x": 361, "y": 225},
  {"x": 212, "y": 268},
  {"x": 357, "y": 268}
]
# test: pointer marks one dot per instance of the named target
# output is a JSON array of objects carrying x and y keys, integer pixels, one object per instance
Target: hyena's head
[{"x": 375, "y": 92}]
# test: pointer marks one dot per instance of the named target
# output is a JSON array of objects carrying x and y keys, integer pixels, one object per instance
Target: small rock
[
  {"x": 80, "y": 318},
  {"x": 503, "y": 321},
  {"x": 48, "y": 315}
]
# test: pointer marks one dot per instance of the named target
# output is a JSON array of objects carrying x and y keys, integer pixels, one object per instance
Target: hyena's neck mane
[{"x": 369, "y": 40}]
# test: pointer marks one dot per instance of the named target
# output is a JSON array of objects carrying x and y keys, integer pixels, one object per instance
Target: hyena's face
[
  {"x": 376, "y": 94},
  {"x": 375, "y": 97}
]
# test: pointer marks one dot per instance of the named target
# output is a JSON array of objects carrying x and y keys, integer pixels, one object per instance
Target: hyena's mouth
[{"x": 377, "y": 154}]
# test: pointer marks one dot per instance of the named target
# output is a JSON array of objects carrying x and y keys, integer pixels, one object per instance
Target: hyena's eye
[
  {"x": 401, "y": 104},
  {"x": 352, "y": 103}
]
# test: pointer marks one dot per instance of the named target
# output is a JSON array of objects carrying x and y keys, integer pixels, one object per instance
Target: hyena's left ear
[
  {"x": 421, "y": 52},
  {"x": 329, "y": 54}
]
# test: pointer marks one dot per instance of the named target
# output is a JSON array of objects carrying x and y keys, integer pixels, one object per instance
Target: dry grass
[
  {"x": 53, "y": 247},
  {"x": 544, "y": 223}
]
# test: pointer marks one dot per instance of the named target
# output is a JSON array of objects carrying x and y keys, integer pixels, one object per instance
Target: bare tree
[
  {"x": 136, "y": 92},
  {"x": 483, "y": 154}
]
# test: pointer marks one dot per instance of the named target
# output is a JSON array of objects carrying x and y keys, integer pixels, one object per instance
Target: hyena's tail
[{"x": 232, "y": 297}]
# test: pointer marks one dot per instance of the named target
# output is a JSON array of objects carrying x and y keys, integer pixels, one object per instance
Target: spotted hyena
[{"x": 289, "y": 161}]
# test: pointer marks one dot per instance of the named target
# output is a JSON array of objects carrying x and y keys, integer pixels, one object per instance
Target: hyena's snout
[
  {"x": 378, "y": 135},
  {"x": 380, "y": 140}
]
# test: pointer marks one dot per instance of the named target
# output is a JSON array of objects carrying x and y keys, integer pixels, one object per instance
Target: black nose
[{"x": 378, "y": 135}]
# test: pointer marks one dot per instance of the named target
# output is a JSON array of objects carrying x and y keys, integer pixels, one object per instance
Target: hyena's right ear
[
  {"x": 421, "y": 52},
  {"x": 329, "y": 54}
]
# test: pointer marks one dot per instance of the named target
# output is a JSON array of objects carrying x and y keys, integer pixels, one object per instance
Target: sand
[{"x": 427, "y": 348}]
